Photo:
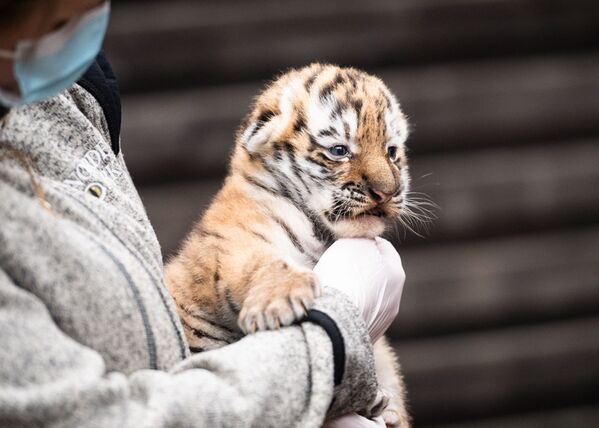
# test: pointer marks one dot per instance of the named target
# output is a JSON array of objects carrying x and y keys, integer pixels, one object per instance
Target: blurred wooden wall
[{"x": 499, "y": 325}]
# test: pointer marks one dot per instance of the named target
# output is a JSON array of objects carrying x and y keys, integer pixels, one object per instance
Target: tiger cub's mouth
[
  {"x": 381, "y": 210},
  {"x": 368, "y": 223},
  {"x": 377, "y": 211}
]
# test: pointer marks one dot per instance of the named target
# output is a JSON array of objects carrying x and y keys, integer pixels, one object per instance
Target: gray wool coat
[{"x": 88, "y": 333}]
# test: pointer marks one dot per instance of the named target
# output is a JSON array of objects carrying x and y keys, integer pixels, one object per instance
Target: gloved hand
[
  {"x": 370, "y": 273},
  {"x": 353, "y": 420}
]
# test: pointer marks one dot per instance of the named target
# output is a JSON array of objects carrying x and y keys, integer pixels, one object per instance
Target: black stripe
[
  {"x": 216, "y": 275},
  {"x": 259, "y": 235},
  {"x": 337, "y": 111},
  {"x": 196, "y": 349},
  {"x": 297, "y": 171},
  {"x": 292, "y": 236},
  {"x": 209, "y": 233},
  {"x": 278, "y": 154},
  {"x": 200, "y": 334},
  {"x": 351, "y": 76},
  {"x": 282, "y": 183},
  {"x": 289, "y": 148},
  {"x": 264, "y": 117},
  {"x": 330, "y": 87},
  {"x": 251, "y": 155},
  {"x": 320, "y": 176},
  {"x": 314, "y": 144},
  {"x": 357, "y": 107},
  {"x": 255, "y": 182},
  {"x": 233, "y": 306},
  {"x": 212, "y": 324},
  {"x": 329, "y": 132},
  {"x": 253, "y": 232},
  {"x": 216, "y": 279},
  {"x": 319, "y": 229},
  {"x": 300, "y": 123},
  {"x": 346, "y": 129},
  {"x": 316, "y": 180},
  {"x": 324, "y": 158},
  {"x": 310, "y": 80}
]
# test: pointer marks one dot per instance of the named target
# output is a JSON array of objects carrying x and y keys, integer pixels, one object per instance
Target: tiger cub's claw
[{"x": 283, "y": 299}]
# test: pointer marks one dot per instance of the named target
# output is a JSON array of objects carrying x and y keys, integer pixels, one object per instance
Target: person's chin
[{"x": 360, "y": 226}]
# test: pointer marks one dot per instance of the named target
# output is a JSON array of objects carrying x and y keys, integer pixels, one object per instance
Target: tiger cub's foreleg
[
  {"x": 278, "y": 295},
  {"x": 391, "y": 384},
  {"x": 220, "y": 294}
]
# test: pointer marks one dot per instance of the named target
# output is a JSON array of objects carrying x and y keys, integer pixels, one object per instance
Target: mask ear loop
[{"x": 12, "y": 153}]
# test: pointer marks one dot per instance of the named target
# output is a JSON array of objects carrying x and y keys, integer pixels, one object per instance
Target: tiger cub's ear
[
  {"x": 272, "y": 114},
  {"x": 259, "y": 129}
]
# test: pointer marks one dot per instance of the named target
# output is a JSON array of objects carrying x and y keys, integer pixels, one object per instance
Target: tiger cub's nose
[{"x": 379, "y": 196}]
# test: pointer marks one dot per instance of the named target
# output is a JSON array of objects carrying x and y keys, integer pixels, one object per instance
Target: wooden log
[
  {"x": 500, "y": 282},
  {"x": 173, "y": 209},
  {"x": 169, "y": 44},
  {"x": 572, "y": 417},
  {"x": 188, "y": 134},
  {"x": 489, "y": 192},
  {"x": 512, "y": 370}
]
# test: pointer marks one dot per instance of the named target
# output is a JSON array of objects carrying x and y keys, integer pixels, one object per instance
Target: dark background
[{"x": 499, "y": 325}]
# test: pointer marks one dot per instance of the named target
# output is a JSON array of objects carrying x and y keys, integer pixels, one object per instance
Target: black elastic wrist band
[{"x": 327, "y": 323}]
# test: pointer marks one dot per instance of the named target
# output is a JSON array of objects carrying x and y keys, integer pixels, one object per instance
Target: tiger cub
[{"x": 320, "y": 157}]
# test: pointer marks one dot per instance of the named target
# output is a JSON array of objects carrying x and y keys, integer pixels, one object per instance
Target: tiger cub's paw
[
  {"x": 281, "y": 296},
  {"x": 391, "y": 408},
  {"x": 378, "y": 406},
  {"x": 395, "y": 415}
]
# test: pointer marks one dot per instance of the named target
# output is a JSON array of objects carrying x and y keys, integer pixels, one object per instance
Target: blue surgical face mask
[{"x": 45, "y": 67}]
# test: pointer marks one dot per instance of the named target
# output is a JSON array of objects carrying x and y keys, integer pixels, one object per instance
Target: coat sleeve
[{"x": 283, "y": 378}]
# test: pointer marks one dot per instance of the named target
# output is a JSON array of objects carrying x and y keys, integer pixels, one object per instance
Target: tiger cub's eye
[
  {"x": 392, "y": 153},
  {"x": 339, "y": 150}
]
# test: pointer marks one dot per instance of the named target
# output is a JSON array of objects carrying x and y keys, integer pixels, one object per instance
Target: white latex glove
[
  {"x": 353, "y": 420},
  {"x": 370, "y": 273}
]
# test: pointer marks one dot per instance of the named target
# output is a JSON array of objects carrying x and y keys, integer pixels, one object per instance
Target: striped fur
[{"x": 247, "y": 264}]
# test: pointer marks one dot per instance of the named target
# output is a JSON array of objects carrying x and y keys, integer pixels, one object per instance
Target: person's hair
[{"x": 13, "y": 10}]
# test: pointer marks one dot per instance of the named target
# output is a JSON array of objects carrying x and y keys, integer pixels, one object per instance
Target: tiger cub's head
[{"x": 331, "y": 140}]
